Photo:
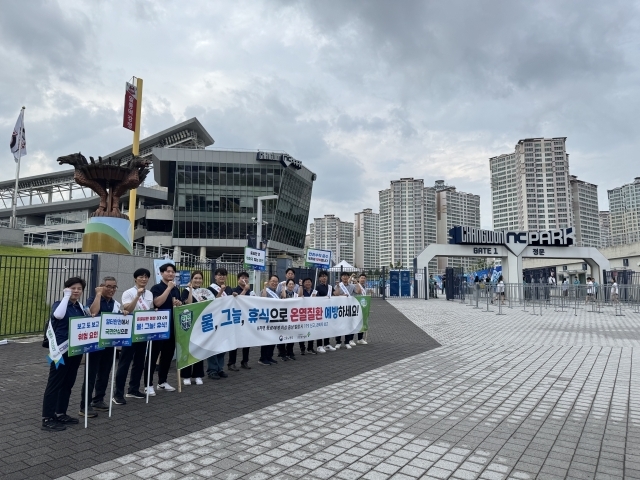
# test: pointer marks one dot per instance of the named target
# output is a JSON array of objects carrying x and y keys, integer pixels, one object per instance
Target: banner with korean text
[{"x": 204, "y": 329}]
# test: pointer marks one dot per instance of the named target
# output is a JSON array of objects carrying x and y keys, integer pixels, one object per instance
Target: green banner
[
  {"x": 365, "y": 303},
  {"x": 184, "y": 319}
]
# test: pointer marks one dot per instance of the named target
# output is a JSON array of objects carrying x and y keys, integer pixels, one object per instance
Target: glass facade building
[{"x": 215, "y": 198}]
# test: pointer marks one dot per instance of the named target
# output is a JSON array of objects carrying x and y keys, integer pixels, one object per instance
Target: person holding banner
[
  {"x": 290, "y": 274},
  {"x": 285, "y": 350},
  {"x": 165, "y": 296},
  {"x": 266, "y": 351},
  {"x": 63, "y": 369},
  {"x": 243, "y": 288},
  {"x": 100, "y": 361},
  {"x": 345, "y": 288},
  {"x": 324, "y": 290},
  {"x": 307, "y": 291},
  {"x": 215, "y": 363},
  {"x": 361, "y": 290},
  {"x": 194, "y": 293},
  {"x": 135, "y": 298}
]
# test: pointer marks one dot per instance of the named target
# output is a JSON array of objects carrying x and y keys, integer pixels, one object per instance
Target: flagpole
[{"x": 14, "y": 219}]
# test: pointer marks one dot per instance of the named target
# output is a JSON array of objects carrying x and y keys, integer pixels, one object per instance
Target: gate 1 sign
[
  {"x": 254, "y": 259},
  {"x": 115, "y": 330},
  {"x": 151, "y": 325},
  {"x": 84, "y": 334},
  {"x": 317, "y": 258}
]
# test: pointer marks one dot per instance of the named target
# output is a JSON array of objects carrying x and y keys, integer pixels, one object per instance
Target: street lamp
[{"x": 259, "y": 224}]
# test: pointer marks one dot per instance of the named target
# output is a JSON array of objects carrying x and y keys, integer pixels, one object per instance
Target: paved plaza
[{"x": 442, "y": 391}]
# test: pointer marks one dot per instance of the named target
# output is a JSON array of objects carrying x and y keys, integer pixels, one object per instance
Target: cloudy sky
[{"x": 362, "y": 92}]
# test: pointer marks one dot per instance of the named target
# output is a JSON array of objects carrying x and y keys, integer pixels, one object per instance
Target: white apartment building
[
  {"x": 330, "y": 233},
  {"x": 530, "y": 187},
  {"x": 624, "y": 208},
  {"x": 586, "y": 214},
  {"x": 407, "y": 221},
  {"x": 604, "y": 218},
  {"x": 366, "y": 232},
  {"x": 454, "y": 208}
]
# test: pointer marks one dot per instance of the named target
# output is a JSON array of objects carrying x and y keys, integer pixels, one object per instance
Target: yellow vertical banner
[{"x": 136, "y": 151}]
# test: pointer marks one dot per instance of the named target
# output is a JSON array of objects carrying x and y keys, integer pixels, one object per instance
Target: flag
[
  {"x": 130, "y": 107},
  {"x": 18, "y": 141}
]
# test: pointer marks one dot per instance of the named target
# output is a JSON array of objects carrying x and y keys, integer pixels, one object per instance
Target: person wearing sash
[
  {"x": 307, "y": 291},
  {"x": 323, "y": 289},
  {"x": 243, "y": 288},
  {"x": 100, "y": 361},
  {"x": 215, "y": 363},
  {"x": 285, "y": 350},
  {"x": 290, "y": 274},
  {"x": 266, "y": 351},
  {"x": 62, "y": 376},
  {"x": 361, "y": 290},
  {"x": 165, "y": 296},
  {"x": 135, "y": 298},
  {"x": 345, "y": 289},
  {"x": 192, "y": 294}
]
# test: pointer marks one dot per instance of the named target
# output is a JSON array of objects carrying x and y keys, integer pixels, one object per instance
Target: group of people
[{"x": 134, "y": 360}]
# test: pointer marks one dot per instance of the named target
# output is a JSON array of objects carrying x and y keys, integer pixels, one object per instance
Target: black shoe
[
  {"x": 52, "y": 425},
  {"x": 223, "y": 374},
  {"x": 119, "y": 401},
  {"x": 100, "y": 406},
  {"x": 272, "y": 361},
  {"x": 233, "y": 368},
  {"x": 91, "y": 413},
  {"x": 213, "y": 376},
  {"x": 66, "y": 420},
  {"x": 264, "y": 362},
  {"x": 292, "y": 357},
  {"x": 245, "y": 366},
  {"x": 301, "y": 352},
  {"x": 137, "y": 394},
  {"x": 311, "y": 351},
  {"x": 283, "y": 358}
]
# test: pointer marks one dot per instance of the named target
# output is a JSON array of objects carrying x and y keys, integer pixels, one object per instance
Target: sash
[
  {"x": 344, "y": 289},
  {"x": 56, "y": 351},
  {"x": 272, "y": 293},
  {"x": 217, "y": 289},
  {"x": 142, "y": 303}
]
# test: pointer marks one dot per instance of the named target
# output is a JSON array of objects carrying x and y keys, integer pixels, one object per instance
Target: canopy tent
[{"x": 344, "y": 266}]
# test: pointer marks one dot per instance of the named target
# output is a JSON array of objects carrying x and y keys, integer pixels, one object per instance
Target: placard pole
[
  {"x": 149, "y": 369},
  {"x": 113, "y": 379},
  {"x": 179, "y": 379},
  {"x": 86, "y": 390}
]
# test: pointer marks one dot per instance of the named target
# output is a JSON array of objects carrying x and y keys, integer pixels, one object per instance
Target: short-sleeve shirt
[
  {"x": 239, "y": 291},
  {"x": 283, "y": 286},
  {"x": 323, "y": 290},
  {"x": 228, "y": 290},
  {"x": 351, "y": 288},
  {"x": 145, "y": 302},
  {"x": 158, "y": 289}
]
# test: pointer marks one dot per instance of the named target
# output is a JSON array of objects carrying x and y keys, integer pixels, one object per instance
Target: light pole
[{"x": 256, "y": 275}]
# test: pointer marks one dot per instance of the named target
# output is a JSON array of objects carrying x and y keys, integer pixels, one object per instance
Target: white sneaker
[
  {"x": 166, "y": 387},
  {"x": 199, "y": 381},
  {"x": 348, "y": 346},
  {"x": 321, "y": 350},
  {"x": 330, "y": 348},
  {"x": 338, "y": 345},
  {"x": 362, "y": 342},
  {"x": 152, "y": 392},
  {"x": 186, "y": 381},
  {"x": 352, "y": 343}
]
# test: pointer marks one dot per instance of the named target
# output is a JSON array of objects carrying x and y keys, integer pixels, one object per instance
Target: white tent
[{"x": 344, "y": 266}]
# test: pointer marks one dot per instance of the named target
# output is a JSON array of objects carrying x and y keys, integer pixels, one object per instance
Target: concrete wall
[{"x": 11, "y": 237}]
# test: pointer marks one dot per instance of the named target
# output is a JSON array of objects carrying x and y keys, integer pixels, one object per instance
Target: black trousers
[
  {"x": 347, "y": 339},
  {"x": 165, "y": 349},
  {"x": 266, "y": 352},
  {"x": 309, "y": 346},
  {"x": 99, "y": 372},
  {"x": 135, "y": 353},
  {"x": 285, "y": 349},
  {"x": 193, "y": 371},
  {"x": 59, "y": 385},
  {"x": 360, "y": 335},
  {"x": 233, "y": 355},
  {"x": 326, "y": 341}
]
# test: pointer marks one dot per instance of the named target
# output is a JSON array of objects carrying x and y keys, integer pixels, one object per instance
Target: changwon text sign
[
  {"x": 116, "y": 330},
  {"x": 84, "y": 335},
  {"x": 151, "y": 325},
  {"x": 317, "y": 258}
]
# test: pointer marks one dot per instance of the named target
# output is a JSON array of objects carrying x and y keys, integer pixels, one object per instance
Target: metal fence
[{"x": 30, "y": 286}]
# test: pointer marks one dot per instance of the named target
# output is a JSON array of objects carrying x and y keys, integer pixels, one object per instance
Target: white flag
[{"x": 18, "y": 141}]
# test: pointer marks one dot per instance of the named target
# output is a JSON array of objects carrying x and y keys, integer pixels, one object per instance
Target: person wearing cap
[
  {"x": 135, "y": 298},
  {"x": 243, "y": 288},
  {"x": 323, "y": 289},
  {"x": 345, "y": 288}
]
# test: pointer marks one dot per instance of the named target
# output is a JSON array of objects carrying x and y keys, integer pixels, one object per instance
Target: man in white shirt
[
  {"x": 135, "y": 298},
  {"x": 362, "y": 286},
  {"x": 589, "y": 290},
  {"x": 615, "y": 297},
  {"x": 345, "y": 288}
]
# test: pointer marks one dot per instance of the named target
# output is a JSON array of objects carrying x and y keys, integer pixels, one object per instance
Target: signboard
[
  {"x": 115, "y": 330},
  {"x": 418, "y": 277},
  {"x": 255, "y": 259},
  {"x": 130, "y": 107},
  {"x": 405, "y": 283},
  {"x": 84, "y": 335},
  {"x": 317, "y": 258},
  {"x": 183, "y": 278},
  {"x": 151, "y": 325}
]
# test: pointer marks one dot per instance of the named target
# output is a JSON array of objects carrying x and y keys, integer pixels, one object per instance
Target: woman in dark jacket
[{"x": 62, "y": 375}]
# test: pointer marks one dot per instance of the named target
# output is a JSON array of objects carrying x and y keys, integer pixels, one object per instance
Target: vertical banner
[
  {"x": 365, "y": 303},
  {"x": 394, "y": 283},
  {"x": 84, "y": 335},
  {"x": 115, "y": 330},
  {"x": 405, "y": 283},
  {"x": 150, "y": 325},
  {"x": 130, "y": 107}
]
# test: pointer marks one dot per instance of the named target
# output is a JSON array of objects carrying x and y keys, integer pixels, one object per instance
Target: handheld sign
[
  {"x": 116, "y": 330},
  {"x": 317, "y": 258},
  {"x": 254, "y": 259},
  {"x": 84, "y": 335},
  {"x": 150, "y": 325}
]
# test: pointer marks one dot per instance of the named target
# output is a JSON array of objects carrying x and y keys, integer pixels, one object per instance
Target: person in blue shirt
[{"x": 62, "y": 378}]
